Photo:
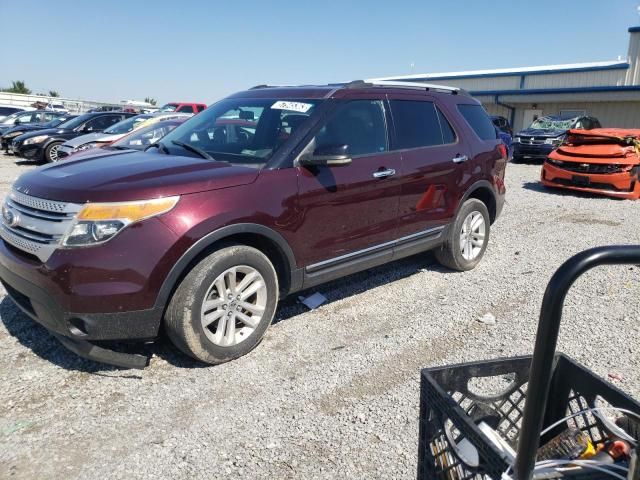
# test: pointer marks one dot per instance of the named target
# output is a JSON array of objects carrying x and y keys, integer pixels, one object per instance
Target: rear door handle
[
  {"x": 389, "y": 172},
  {"x": 460, "y": 158}
]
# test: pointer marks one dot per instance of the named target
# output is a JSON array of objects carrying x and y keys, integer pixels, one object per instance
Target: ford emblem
[{"x": 10, "y": 218}]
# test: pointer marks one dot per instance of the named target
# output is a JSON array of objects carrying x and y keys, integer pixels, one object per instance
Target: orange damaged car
[{"x": 605, "y": 161}]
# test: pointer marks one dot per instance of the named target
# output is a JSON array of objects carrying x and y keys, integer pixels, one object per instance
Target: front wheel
[
  {"x": 223, "y": 307},
  {"x": 51, "y": 152},
  {"x": 467, "y": 238}
]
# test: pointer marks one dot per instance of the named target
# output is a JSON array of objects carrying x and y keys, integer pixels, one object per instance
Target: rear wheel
[
  {"x": 51, "y": 152},
  {"x": 224, "y": 305},
  {"x": 467, "y": 238}
]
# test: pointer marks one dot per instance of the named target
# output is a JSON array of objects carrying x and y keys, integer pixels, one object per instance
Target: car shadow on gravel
[
  {"x": 37, "y": 339},
  {"x": 359, "y": 282}
]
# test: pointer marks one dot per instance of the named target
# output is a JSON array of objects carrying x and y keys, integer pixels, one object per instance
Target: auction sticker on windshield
[{"x": 293, "y": 106}]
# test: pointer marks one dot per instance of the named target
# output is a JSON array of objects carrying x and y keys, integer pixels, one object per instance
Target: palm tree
[
  {"x": 53, "y": 93},
  {"x": 18, "y": 86},
  {"x": 150, "y": 100}
]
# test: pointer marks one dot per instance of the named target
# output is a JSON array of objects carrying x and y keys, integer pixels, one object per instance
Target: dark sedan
[
  {"x": 42, "y": 145},
  {"x": 546, "y": 134},
  {"x": 21, "y": 129}
]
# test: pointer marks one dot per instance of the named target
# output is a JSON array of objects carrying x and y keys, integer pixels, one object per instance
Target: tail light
[{"x": 503, "y": 151}]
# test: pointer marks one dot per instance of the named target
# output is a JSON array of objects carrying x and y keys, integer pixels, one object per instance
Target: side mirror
[
  {"x": 17, "y": 122},
  {"x": 328, "y": 155}
]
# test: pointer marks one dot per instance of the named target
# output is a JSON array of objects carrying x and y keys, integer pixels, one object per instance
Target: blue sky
[{"x": 202, "y": 50}]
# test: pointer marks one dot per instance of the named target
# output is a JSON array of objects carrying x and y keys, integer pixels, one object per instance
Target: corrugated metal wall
[{"x": 576, "y": 79}]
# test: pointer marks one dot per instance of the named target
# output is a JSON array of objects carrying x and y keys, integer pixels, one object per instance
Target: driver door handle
[
  {"x": 460, "y": 158},
  {"x": 389, "y": 172}
]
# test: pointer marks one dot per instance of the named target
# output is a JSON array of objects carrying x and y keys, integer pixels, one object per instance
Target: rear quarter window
[{"x": 479, "y": 121}]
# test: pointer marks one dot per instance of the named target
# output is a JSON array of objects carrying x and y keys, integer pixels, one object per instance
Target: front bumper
[
  {"x": 28, "y": 152},
  {"x": 65, "y": 150},
  {"x": 88, "y": 295},
  {"x": 76, "y": 331},
  {"x": 537, "y": 151},
  {"x": 624, "y": 185}
]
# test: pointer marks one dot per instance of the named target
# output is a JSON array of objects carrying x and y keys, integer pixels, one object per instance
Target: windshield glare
[
  {"x": 549, "y": 124},
  {"x": 242, "y": 131},
  {"x": 169, "y": 107},
  {"x": 125, "y": 126},
  {"x": 145, "y": 136}
]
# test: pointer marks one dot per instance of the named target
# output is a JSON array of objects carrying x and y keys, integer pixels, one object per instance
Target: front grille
[
  {"x": 597, "y": 168},
  {"x": 533, "y": 140},
  {"x": 36, "y": 225}
]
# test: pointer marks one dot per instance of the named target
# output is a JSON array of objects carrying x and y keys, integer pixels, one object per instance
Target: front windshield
[
  {"x": 125, "y": 126},
  {"x": 76, "y": 121},
  {"x": 242, "y": 131},
  {"x": 551, "y": 124},
  {"x": 169, "y": 107},
  {"x": 55, "y": 122}
]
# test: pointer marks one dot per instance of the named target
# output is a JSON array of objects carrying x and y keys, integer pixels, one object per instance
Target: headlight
[
  {"x": 516, "y": 140},
  {"x": 87, "y": 146},
  {"x": 12, "y": 135},
  {"x": 554, "y": 141},
  {"x": 38, "y": 139},
  {"x": 99, "y": 222}
]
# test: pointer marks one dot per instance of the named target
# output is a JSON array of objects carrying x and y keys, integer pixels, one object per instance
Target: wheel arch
[
  {"x": 483, "y": 191},
  {"x": 268, "y": 241}
]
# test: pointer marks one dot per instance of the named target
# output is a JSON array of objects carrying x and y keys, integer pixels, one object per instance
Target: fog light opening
[{"x": 78, "y": 327}]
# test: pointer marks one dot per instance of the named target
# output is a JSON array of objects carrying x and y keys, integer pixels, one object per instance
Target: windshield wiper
[
  {"x": 160, "y": 146},
  {"x": 193, "y": 149}
]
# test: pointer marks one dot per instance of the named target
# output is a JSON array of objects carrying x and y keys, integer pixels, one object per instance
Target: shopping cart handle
[{"x": 546, "y": 340}]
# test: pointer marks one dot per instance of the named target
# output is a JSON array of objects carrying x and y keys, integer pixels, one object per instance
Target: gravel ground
[{"x": 331, "y": 392}]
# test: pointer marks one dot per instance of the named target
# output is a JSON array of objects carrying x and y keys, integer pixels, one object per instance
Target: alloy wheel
[
  {"x": 472, "y": 235},
  {"x": 233, "y": 306},
  {"x": 53, "y": 153}
]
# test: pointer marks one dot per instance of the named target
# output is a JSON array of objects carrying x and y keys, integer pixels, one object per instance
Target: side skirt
[{"x": 350, "y": 263}]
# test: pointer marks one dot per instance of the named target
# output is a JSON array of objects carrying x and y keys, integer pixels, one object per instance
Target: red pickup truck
[{"x": 183, "y": 107}]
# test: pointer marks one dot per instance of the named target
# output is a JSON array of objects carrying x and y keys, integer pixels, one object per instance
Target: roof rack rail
[{"x": 419, "y": 85}]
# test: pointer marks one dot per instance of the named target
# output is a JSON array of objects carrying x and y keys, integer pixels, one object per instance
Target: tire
[
  {"x": 451, "y": 254},
  {"x": 516, "y": 159},
  {"x": 228, "y": 335},
  {"x": 50, "y": 150}
]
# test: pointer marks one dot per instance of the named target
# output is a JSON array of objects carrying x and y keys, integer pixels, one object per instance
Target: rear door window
[
  {"x": 416, "y": 124},
  {"x": 479, "y": 121}
]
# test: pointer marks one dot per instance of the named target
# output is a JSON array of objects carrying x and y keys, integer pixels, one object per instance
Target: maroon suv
[{"x": 265, "y": 193}]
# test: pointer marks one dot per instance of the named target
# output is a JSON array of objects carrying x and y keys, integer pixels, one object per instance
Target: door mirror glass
[{"x": 329, "y": 155}]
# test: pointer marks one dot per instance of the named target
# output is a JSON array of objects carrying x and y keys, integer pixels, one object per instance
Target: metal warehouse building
[{"x": 609, "y": 91}]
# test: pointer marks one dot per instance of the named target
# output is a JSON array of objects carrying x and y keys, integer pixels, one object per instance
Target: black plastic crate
[{"x": 554, "y": 385}]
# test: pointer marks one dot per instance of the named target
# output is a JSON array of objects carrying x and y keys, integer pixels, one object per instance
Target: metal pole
[{"x": 546, "y": 340}]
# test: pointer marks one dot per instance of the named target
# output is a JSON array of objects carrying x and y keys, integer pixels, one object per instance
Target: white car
[
  {"x": 113, "y": 133},
  {"x": 56, "y": 107}
]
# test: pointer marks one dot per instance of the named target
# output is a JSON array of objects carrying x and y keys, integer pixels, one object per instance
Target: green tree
[
  {"x": 150, "y": 100},
  {"x": 53, "y": 93},
  {"x": 18, "y": 86}
]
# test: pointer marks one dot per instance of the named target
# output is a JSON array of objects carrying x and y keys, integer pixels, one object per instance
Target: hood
[
  {"x": 537, "y": 132},
  {"x": 601, "y": 154},
  {"x": 43, "y": 131},
  {"x": 130, "y": 175},
  {"x": 88, "y": 138}
]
